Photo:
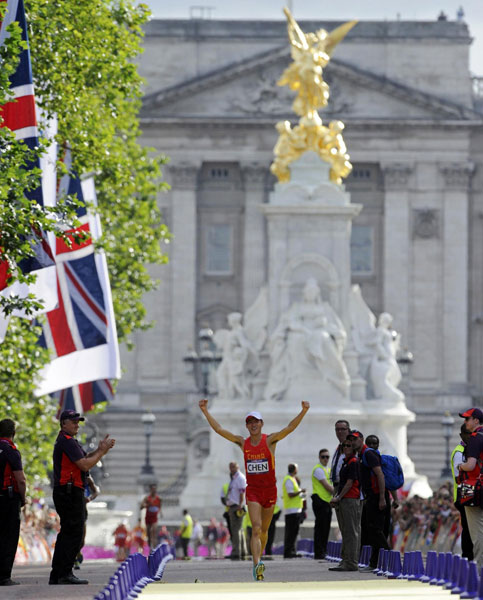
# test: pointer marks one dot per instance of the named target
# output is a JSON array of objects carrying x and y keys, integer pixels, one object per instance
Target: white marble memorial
[{"x": 322, "y": 340}]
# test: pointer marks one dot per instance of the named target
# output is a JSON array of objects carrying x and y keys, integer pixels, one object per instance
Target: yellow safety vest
[
  {"x": 188, "y": 522},
  {"x": 225, "y": 492},
  {"x": 295, "y": 501},
  {"x": 317, "y": 487},
  {"x": 459, "y": 448}
]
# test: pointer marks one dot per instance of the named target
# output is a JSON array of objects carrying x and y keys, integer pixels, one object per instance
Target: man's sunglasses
[
  {"x": 324, "y": 456},
  {"x": 346, "y": 445}
]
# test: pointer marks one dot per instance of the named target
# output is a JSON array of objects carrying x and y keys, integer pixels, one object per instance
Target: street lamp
[
  {"x": 447, "y": 423},
  {"x": 405, "y": 360},
  {"x": 203, "y": 361},
  {"x": 147, "y": 476}
]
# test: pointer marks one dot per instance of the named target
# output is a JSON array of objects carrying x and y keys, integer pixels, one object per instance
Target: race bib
[
  {"x": 257, "y": 466},
  {"x": 153, "y": 509}
]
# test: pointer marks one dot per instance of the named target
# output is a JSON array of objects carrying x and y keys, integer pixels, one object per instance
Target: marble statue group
[{"x": 305, "y": 352}]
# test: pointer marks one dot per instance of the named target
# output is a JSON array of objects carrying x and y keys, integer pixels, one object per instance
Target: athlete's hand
[
  {"x": 203, "y": 404},
  {"x": 382, "y": 504},
  {"x": 305, "y": 405}
]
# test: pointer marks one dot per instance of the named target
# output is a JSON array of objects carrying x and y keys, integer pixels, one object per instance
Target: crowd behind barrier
[{"x": 427, "y": 524}]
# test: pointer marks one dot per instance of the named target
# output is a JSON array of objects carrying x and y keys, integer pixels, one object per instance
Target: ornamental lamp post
[
  {"x": 405, "y": 359},
  {"x": 147, "y": 476},
  {"x": 447, "y": 423},
  {"x": 203, "y": 361}
]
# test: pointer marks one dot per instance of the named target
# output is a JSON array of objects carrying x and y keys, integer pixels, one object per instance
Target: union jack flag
[
  {"x": 19, "y": 116},
  {"x": 81, "y": 331},
  {"x": 84, "y": 396}
]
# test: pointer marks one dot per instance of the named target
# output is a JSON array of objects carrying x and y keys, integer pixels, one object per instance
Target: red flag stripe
[
  {"x": 63, "y": 248},
  {"x": 88, "y": 301},
  {"x": 19, "y": 113},
  {"x": 59, "y": 326}
]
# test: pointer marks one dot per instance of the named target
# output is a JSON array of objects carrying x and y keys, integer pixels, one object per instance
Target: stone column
[
  {"x": 254, "y": 253},
  {"x": 396, "y": 243},
  {"x": 184, "y": 179},
  {"x": 456, "y": 177}
]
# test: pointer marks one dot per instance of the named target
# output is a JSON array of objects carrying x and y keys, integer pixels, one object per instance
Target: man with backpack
[
  {"x": 473, "y": 467},
  {"x": 372, "y": 441},
  {"x": 376, "y": 498}
]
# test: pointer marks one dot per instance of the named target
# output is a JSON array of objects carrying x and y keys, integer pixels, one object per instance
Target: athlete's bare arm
[
  {"x": 273, "y": 438},
  {"x": 228, "y": 435}
]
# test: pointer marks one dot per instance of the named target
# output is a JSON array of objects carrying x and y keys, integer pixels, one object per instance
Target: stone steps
[
  {"x": 168, "y": 451},
  {"x": 427, "y": 446}
]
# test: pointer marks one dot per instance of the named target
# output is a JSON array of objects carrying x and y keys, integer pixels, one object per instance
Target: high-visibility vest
[
  {"x": 188, "y": 523},
  {"x": 459, "y": 448},
  {"x": 295, "y": 501},
  {"x": 225, "y": 493},
  {"x": 317, "y": 487}
]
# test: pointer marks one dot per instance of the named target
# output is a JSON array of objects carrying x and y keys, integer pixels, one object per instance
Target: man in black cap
[
  {"x": 376, "y": 498},
  {"x": 71, "y": 466},
  {"x": 12, "y": 497},
  {"x": 473, "y": 469}
]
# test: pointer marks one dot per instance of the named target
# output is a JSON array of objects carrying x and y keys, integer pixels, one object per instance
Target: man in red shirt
[
  {"x": 152, "y": 503},
  {"x": 261, "y": 493},
  {"x": 121, "y": 541},
  {"x": 71, "y": 467},
  {"x": 348, "y": 506},
  {"x": 474, "y": 465},
  {"x": 12, "y": 497}
]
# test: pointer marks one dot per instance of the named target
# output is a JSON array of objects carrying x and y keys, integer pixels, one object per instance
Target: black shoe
[
  {"x": 9, "y": 582},
  {"x": 71, "y": 580},
  {"x": 342, "y": 569},
  {"x": 367, "y": 569}
]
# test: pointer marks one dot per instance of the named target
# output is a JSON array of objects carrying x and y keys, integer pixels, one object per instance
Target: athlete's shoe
[{"x": 259, "y": 571}]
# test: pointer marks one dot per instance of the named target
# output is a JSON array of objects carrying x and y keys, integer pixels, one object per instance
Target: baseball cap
[
  {"x": 70, "y": 414},
  {"x": 476, "y": 413},
  {"x": 356, "y": 434},
  {"x": 255, "y": 414}
]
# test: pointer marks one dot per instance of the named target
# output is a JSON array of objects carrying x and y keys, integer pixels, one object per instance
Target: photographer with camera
[{"x": 472, "y": 497}]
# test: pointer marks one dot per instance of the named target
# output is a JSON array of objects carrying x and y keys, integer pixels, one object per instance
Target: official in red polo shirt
[
  {"x": 71, "y": 466},
  {"x": 12, "y": 497},
  {"x": 348, "y": 506}
]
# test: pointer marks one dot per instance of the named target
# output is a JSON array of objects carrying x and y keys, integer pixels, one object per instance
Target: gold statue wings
[{"x": 311, "y": 53}]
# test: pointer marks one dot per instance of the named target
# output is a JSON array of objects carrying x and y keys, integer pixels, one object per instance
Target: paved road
[
  {"x": 294, "y": 579},
  {"x": 34, "y": 582}
]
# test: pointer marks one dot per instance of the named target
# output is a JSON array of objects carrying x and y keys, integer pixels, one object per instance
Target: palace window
[
  {"x": 362, "y": 250},
  {"x": 219, "y": 249}
]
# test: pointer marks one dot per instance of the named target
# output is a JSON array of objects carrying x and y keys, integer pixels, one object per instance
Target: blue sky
[{"x": 349, "y": 9}]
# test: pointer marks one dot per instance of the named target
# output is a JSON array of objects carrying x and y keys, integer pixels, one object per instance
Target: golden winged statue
[{"x": 311, "y": 53}]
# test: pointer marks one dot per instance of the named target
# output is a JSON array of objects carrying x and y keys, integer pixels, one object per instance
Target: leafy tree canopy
[{"x": 83, "y": 55}]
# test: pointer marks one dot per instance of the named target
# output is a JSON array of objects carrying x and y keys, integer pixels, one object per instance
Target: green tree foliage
[{"x": 83, "y": 56}]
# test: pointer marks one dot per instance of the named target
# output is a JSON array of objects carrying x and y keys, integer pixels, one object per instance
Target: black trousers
[
  {"x": 184, "y": 546},
  {"x": 323, "y": 516},
  {"x": 372, "y": 527},
  {"x": 466, "y": 543},
  {"x": 292, "y": 525},
  {"x": 271, "y": 533},
  {"x": 71, "y": 510},
  {"x": 9, "y": 533}
]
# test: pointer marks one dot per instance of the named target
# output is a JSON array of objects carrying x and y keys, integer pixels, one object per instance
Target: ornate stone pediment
[{"x": 248, "y": 89}]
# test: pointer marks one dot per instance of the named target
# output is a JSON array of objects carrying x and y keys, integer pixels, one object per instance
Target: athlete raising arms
[{"x": 259, "y": 454}]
